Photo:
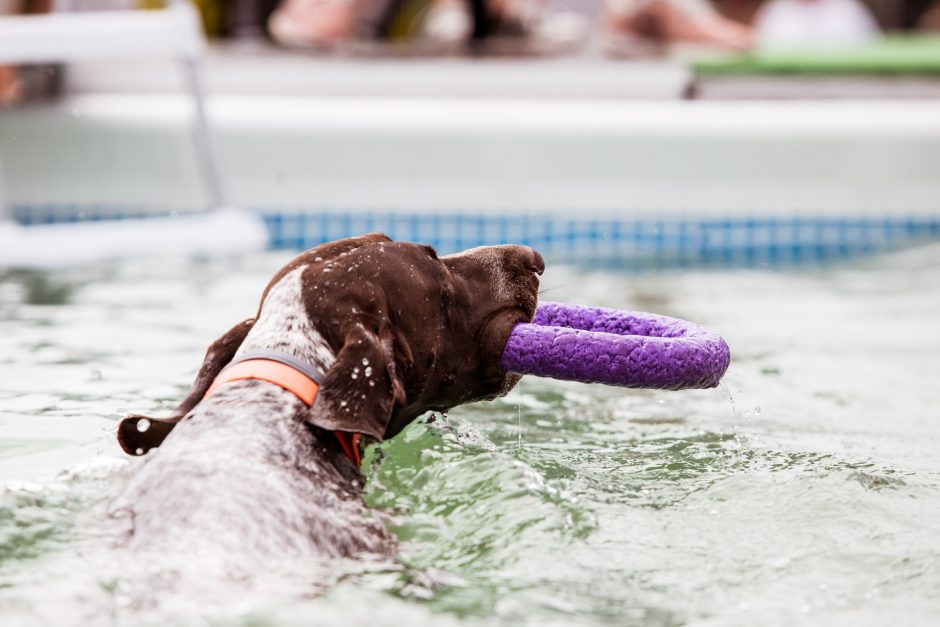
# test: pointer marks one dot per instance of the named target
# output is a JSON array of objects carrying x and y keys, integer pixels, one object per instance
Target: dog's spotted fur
[{"x": 283, "y": 325}]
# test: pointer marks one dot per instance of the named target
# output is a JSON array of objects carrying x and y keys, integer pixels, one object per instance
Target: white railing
[
  {"x": 99, "y": 35},
  {"x": 69, "y": 37}
]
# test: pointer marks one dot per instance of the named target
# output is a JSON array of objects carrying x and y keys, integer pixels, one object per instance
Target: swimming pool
[{"x": 803, "y": 491}]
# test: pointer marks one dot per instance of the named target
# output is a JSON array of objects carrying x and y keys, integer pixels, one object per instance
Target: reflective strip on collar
[
  {"x": 283, "y": 375},
  {"x": 310, "y": 370}
]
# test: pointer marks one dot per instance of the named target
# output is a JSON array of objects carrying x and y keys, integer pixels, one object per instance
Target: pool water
[{"x": 804, "y": 490}]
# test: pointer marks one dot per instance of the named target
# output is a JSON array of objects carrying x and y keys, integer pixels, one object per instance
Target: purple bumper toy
[{"x": 626, "y": 348}]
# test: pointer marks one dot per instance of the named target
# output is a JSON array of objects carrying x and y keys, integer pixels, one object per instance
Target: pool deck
[{"x": 254, "y": 69}]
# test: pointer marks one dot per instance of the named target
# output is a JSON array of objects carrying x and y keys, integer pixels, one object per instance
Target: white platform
[
  {"x": 215, "y": 233},
  {"x": 591, "y": 157}
]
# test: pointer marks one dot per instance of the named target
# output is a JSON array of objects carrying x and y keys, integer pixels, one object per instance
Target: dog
[{"x": 380, "y": 332}]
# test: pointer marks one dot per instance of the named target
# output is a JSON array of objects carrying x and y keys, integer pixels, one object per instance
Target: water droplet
[
  {"x": 342, "y": 403},
  {"x": 757, "y": 410},
  {"x": 365, "y": 361},
  {"x": 139, "y": 451},
  {"x": 143, "y": 425},
  {"x": 368, "y": 371}
]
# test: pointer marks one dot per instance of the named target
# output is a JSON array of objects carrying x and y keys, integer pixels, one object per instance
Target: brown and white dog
[{"x": 395, "y": 330}]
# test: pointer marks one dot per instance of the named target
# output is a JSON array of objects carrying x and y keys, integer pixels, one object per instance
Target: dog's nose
[{"x": 535, "y": 263}]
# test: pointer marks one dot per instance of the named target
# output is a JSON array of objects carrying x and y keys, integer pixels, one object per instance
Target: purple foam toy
[{"x": 626, "y": 348}]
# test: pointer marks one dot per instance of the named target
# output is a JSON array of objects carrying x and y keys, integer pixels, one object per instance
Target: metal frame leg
[
  {"x": 6, "y": 211},
  {"x": 205, "y": 149}
]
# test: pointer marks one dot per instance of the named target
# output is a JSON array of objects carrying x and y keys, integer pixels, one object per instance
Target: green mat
[{"x": 888, "y": 56}]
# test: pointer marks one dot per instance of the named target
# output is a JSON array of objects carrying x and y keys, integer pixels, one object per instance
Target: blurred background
[{"x": 642, "y": 132}]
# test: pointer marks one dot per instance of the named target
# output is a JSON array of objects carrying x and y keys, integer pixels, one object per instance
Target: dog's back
[{"x": 246, "y": 477}]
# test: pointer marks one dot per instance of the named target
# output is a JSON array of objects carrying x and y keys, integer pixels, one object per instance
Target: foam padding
[
  {"x": 891, "y": 56},
  {"x": 625, "y": 348}
]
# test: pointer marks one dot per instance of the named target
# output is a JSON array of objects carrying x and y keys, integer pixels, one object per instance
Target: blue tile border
[
  {"x": 744, "y": 242},
  {"x": 632, "y": 242}
]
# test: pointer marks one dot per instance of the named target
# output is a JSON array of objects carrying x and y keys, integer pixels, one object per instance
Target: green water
[{"x": 805, "y": 490}]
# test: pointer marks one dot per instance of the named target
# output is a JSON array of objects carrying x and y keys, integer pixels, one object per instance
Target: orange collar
[{"x": 286, "y": 372}]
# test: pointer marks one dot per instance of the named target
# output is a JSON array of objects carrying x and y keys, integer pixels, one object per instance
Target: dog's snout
[{"x": 535, "y": 263}]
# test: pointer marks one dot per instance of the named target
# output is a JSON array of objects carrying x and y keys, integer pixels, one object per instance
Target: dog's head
[
  {"x": 435, "y": 325},
  {"x": 403, "y": 331}
]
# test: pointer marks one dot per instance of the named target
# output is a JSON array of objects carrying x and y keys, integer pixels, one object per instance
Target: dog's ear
[
  {"x": 218, "y": 355},
  {"x": 137, "y": 437},
  {"x": 362, "y": 387}
]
